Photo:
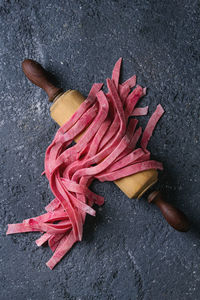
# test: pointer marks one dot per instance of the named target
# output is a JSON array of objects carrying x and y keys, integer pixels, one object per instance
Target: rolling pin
[{"x": 134, "y": 186}]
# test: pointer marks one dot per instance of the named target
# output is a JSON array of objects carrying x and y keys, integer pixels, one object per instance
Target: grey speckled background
[{"x": 128, "y": 250}]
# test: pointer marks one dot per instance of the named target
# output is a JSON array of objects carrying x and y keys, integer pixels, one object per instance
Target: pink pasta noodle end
[{"x": 151, "y": 126}]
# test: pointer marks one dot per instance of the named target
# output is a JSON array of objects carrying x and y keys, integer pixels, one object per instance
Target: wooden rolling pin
[{"x": 64, "y": 106}]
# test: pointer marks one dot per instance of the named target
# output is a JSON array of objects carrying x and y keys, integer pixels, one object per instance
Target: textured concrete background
[{"x": 128, "y": 250}]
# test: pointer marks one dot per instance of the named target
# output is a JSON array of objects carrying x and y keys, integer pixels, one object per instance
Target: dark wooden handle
[
  {"x": 40, "y": 77},
  {"x": 173, "y": 216}
]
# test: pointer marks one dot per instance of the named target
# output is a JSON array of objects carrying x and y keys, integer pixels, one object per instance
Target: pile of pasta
[{"x": 112, "y": 147}]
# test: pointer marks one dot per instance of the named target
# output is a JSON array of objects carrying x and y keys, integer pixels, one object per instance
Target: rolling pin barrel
[{"x": 133, "y": 186}]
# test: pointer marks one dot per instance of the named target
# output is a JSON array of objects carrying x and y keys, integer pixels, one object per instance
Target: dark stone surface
[{"x": 128, "y": 250}]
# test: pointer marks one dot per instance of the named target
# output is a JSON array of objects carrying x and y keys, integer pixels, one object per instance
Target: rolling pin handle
[
  {"x": 40, "y": 77},
  {"x": 173, "y": 216}
]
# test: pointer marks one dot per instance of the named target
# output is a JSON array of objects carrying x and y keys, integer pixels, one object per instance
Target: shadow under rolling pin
[{"x": 134, "y": 186}]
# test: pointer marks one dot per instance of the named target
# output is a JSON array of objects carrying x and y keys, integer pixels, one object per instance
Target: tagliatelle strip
[
  {"x": 140, "y": 111},
  {"x": 55, "y": 203},
  {"x": 151, "y": 125},
  {"x": 107, "y": 151},
  {"x": 116, "y": 73},
  {"x": 129, "y": 170},
  {"x": 43, "y": 239}
]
